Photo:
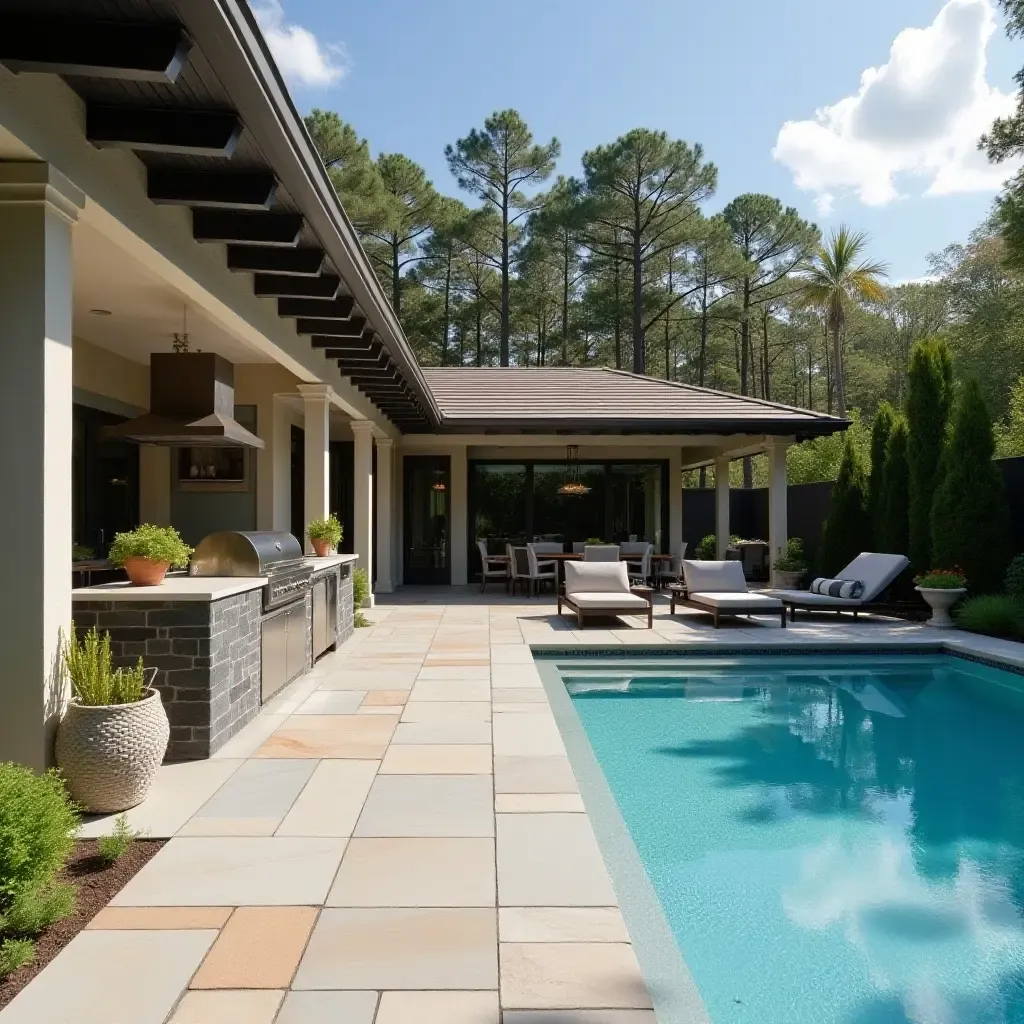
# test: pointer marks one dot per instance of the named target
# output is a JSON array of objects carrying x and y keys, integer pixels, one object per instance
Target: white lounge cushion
[
  {"x": 714, "y": 577},
  {"x": 875, "y": 570},
  {"x": 805, "y": 597},
  {"x": 619, "y": 602},
  {"x": 724, "y": 602},
  {"x": 596, "y": 578}
]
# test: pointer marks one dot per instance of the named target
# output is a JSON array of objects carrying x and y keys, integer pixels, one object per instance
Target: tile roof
[{"x": 562, "y": 398}]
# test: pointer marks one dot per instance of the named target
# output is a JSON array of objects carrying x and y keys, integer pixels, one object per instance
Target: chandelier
[{"x": 573, "y": 485}]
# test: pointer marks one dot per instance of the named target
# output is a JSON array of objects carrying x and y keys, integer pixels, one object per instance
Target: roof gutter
[{"x": 243, "y": 62}]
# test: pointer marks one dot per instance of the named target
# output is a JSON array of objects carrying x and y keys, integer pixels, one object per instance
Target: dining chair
[
  {"x": 638, "y": 559},
  {"x": 491, "y": 567},
  {"x": 518, "y": 567},
  {"x": 601, "y": 553},
  {"x": 671, "y": 572},
  {"x": 540, "y": 571},
  {"x": 578, "y": 546}
]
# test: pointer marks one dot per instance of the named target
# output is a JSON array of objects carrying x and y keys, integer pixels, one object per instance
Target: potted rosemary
[
  {"x": 941, "y": 588},
  {"x": 114, "y": 733},
  {"x": 789, "y": 568},
  {"x": 147, "y": 552},
  {"x": 324, "y": 535}
]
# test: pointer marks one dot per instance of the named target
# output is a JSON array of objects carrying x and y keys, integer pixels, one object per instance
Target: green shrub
[
  {"x": 37, "y": 909},
  {"x": 941, "y": 579},
  {"x": 113, "y": 847},
  {"x": 971, "y": 516},
  {"x": 1014, "y": 580},
  {"x": 881, "y": 431},
  {"x": 157, "y": 543},
  {"x": 94, "y": 680},
  {"x": 360, "y": 596},
  {"x": 846, "y": 531},
  {"x": 993, "y": 614},
  {"x": 706, "y": 549},
  {"x": 793, "y": 560},
  {"x": 929, "y": 400},
  {"x": 892, "y": 529},
  {"x": 38, "y": 822},
  {"x": 15, "y": 953},
  {"x": 328, "y": 529}
]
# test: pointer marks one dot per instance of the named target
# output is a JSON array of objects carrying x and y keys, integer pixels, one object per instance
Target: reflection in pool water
[{"x": 833, "y": 840}]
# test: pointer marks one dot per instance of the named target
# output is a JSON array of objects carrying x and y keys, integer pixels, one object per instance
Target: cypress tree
[
  {"x": 846, "y": 528},
  {"x": 881, "y": 428},
  {"x": 892, "y": 533},
  {"x": 929, "y": 400},
  {"x": 970, "y": 516}
]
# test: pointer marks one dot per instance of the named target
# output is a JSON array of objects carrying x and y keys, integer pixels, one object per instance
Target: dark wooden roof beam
[
  {"x": 130, "y": 51},
  {"x": 327, "y": 309},
  {"x": 222, "y": 190},
  {"x": 163, "y": 130},
  {"x": 267, "y": 260},
  {"x": 271, "y": 229},
  {"x": 279, "y": 286},
  {"x": 324, "y": 330}
]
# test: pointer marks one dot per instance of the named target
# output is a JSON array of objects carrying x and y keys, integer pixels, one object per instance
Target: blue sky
[{"x": 893, "y": 156}]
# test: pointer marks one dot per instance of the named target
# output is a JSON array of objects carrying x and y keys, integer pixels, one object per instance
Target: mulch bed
[{"x": 97, "y": 885}]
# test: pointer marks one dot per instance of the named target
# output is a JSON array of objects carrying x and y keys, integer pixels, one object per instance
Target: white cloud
[
  {"x": 918, "y": 117},
  {"x": 301, "y": 57}
]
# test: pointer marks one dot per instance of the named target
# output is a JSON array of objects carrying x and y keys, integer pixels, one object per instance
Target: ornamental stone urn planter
[
  {"x": 782, "y": 580},
  {"x": 144, "y": 572},
  {"x": 940, "y": 600},
  {"x": 109, "y": 754}
]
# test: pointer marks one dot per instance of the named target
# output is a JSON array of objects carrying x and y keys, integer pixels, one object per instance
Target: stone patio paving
[{"x": 397, "y": 839}]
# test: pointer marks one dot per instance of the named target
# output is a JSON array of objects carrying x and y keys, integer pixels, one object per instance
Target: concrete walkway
[{"x": 397, "y": 839}]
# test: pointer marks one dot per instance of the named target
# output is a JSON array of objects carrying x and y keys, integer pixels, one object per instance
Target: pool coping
[{"x": 673, "y": 991}]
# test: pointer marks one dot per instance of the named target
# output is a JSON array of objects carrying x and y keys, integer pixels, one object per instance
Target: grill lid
[{"x": 245, "y": 553}]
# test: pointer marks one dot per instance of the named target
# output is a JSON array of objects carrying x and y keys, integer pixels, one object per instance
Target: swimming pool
[{"x": 832, "y": 840}]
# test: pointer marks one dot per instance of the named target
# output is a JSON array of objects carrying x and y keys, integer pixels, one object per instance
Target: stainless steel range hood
[{"x": 191, "y": 405}]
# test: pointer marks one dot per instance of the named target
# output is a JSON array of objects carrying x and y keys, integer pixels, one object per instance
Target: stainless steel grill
[{"x": 274, "y": 554}]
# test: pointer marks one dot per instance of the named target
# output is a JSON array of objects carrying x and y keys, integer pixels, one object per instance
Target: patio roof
[{"x": 561, "y": 399}]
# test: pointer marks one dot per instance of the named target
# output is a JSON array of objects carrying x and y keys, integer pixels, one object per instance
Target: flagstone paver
[{"x": 429, "y": 739}]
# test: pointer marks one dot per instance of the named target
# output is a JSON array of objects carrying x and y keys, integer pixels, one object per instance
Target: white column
[
  {"x": 38, "y": 207},
  {"x": 385, "y": 490},
  {"x": 362, "y": 515},
  {"x": 459, "y": 512},
  {"x": 281, "y": 464},
  {"x": 675, "y": 502},
  {"x": 721, "y": 506},
  {"x": 316, "y": 401},
  {"x": 778, "y": 529}
]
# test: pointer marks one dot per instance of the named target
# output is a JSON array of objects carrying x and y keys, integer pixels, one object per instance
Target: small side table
[{"x": 677, "y": 592}]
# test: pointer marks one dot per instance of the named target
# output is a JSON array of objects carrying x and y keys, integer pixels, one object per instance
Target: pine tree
[
  {"x": 881, "y": 429},
  {"x": 846, "y": 528},
  {"x": 929, "y": 399},
  {"x": 970, "y": 516},
  {"x": 893, "y": 525}
]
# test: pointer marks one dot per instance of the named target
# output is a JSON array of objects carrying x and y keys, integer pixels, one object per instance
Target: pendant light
[{"x": 573, "y": 486}]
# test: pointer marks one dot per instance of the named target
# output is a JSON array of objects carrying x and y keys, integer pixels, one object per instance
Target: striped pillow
[{"x": 851, "y": 589}]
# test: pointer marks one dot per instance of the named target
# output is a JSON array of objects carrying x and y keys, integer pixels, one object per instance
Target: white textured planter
[
  {"x": 940, "y": 601},
  {"x": 109, "y": 754},
  {"x": 782, "y": 580}
]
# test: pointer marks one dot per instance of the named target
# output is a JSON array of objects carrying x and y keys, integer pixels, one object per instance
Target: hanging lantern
[{"x": 573, "y": 485}]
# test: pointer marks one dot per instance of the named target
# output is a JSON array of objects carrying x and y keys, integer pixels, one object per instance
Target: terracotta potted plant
[
  {"x": 324, "y": 535},
  {"x": 941, "y": 588},
  {"x": 147, "y": 552},
  {"x": 113, "y": 736},
  {"x": 789, "y": 568}
]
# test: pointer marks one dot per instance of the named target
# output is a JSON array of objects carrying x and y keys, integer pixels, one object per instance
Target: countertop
[{"x": 182, "y": 587}]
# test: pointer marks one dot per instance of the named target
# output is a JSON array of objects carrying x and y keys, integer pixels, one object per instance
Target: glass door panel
[{"x": 427, "y": 524}]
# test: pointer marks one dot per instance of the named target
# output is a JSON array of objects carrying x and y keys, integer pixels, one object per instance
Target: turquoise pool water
[{"x": 833, "y": 840}]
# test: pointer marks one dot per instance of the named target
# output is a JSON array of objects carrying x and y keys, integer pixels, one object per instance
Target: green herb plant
[
  {"x": 360, "y": 596},
  {"x": 15, "y": 953},
  {"x": 113, "y": 847},
  {"x": 94, "y": 680},
  {"x": 942, "y": 579},
  {"x": 793, "y": 559},
  {"x": 328, "y": 529},
  {"x": 157, "y": 543}
]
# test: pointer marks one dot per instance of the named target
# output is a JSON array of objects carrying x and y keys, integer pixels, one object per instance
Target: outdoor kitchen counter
[{"x": 175, "y": 587}]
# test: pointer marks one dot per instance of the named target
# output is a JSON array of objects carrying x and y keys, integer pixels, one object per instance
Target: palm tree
[{"x": 833, "y": 281}]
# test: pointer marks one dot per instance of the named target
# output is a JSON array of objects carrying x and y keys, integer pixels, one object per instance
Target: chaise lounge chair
[
  {"x": 602, "y": 588},
  {"x": 873, "y": 570},
  {"x": 720, "y": 588}
]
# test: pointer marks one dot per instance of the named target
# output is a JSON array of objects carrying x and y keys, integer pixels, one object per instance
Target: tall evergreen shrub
[
  {"x": 929, "y": 400},
  {"x": 970, "y": 519},
  {"x": 881, "y": 429},
  {"x": 893, "y": 529},
  {"x": 846, "y": 530}
]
